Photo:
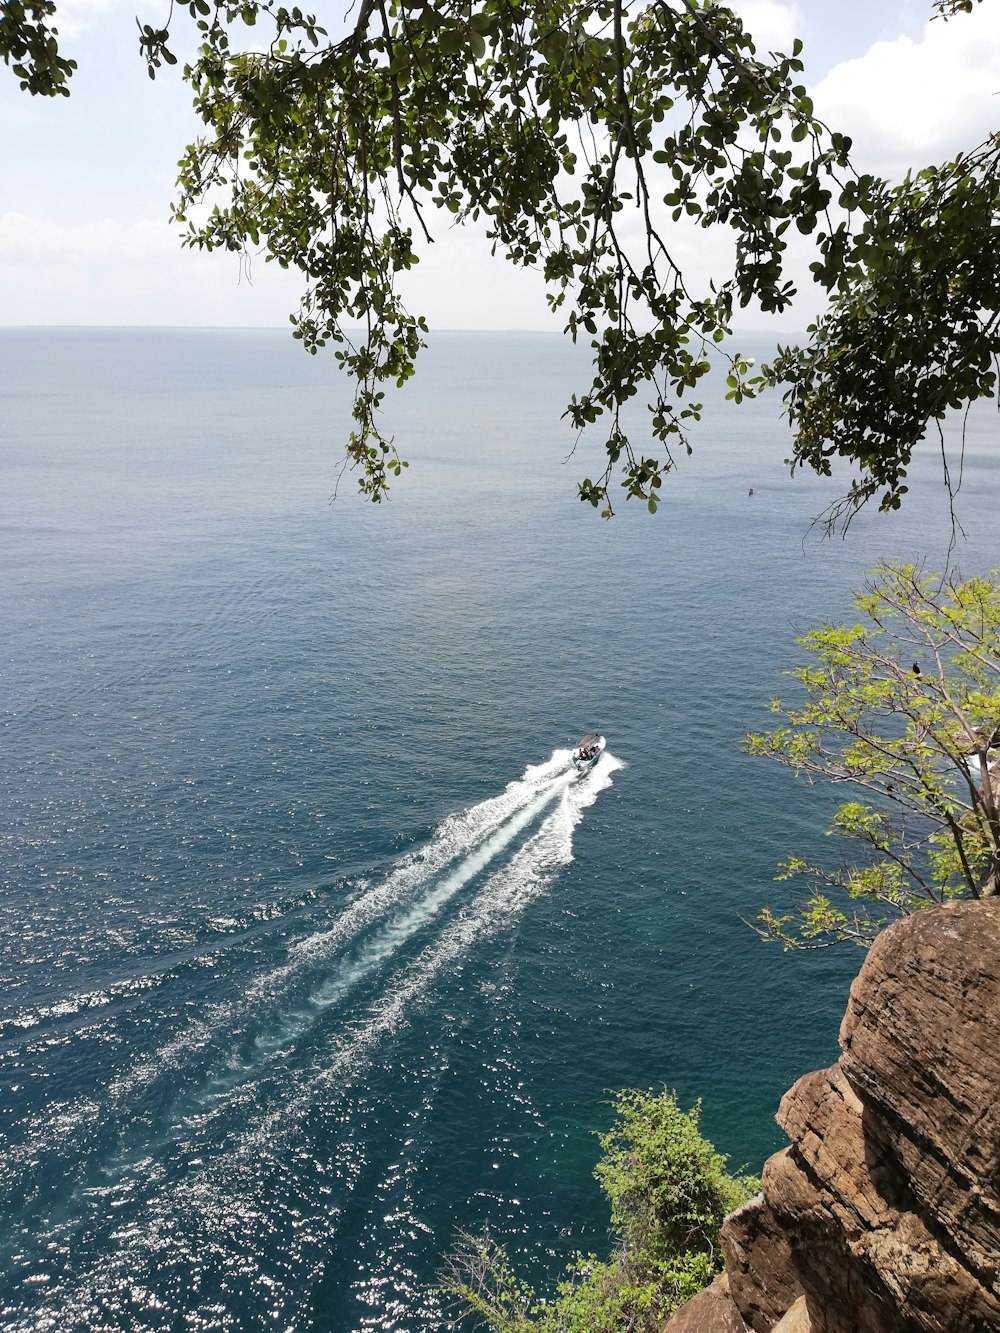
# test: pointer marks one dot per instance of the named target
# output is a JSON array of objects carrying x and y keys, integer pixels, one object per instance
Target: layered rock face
[{"x": 883, "y": 1214}]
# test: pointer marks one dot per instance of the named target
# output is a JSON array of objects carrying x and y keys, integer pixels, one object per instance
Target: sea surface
[{"x": 313, "y": 951}]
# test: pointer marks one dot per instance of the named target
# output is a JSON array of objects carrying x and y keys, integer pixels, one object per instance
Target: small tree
[
  {"x": 669, "y": 1193},
  {"x": 906, "y": 709}
]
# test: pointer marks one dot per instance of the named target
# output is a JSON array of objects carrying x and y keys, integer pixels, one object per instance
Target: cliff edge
[{"x": 883, "y": 1214}]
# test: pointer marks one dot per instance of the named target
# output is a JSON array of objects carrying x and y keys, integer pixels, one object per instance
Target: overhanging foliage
[
  {"x": 563, "y": 127},
  {"x": 578, "y": 134}
]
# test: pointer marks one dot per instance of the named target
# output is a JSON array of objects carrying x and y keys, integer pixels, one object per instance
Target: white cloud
[
  {"x": 906, "y": 103},
  {"x": 75, "y": 16},
  {"x": 458, "y": 284},
  {"x": 104, "y": 243},
  {"x": 774, "y": 25},
  {"x": 107, "y": 271}
]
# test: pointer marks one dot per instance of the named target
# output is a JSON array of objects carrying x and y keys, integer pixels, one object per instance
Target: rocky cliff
[{"x": 883, "y": 1214}]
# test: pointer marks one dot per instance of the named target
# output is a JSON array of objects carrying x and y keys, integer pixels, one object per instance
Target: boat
[{"x": 587, "y": 753}]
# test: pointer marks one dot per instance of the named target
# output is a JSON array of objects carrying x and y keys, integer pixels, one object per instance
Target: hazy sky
[{"x": 85, "y": 181}]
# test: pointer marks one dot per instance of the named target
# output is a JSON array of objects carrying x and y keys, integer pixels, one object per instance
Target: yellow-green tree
[{"x": 902, "y": 708}]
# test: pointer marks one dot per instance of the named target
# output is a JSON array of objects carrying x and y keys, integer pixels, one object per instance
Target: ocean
[{"x": 314, "y": 954}]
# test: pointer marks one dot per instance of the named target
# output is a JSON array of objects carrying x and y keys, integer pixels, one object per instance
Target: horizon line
[{"x": 282, "y": 328}]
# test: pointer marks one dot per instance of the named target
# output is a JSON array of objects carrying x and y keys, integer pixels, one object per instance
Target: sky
[{"x": 86, "y": 181}]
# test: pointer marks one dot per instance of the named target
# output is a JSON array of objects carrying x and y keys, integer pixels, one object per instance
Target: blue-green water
[{"x": 313, "y": 953}]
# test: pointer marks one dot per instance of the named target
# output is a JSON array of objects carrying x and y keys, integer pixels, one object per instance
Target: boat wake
[{"x": 183, "y": 1141}]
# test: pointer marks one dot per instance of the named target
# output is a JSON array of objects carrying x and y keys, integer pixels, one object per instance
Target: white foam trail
[
  {"x": 501, "y": 900},
  {"x": 388, "y": 941},
  {"x": 391, "y": 939},
  {"x": 453, "y": 837},
  {"x": 456, "y": 835},
  {"x": 224, "y": 1194}
]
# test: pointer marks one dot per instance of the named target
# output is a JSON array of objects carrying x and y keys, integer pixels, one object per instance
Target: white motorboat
[{"x": 587, "y": 753}]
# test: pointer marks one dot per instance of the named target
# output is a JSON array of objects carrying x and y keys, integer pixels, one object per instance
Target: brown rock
[
  {"x": 921, "y": 1041},
  {"x": 758, "y": 1262},
  {"x": 796, "y": 1320},
  {"x": 883, "y": 1214},
  {"x": 864, "y": 1262},
  {"x": 711, "y": 1311}
]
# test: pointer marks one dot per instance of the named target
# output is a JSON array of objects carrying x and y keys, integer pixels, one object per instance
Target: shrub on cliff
[{"x": 669, "y": 1192}]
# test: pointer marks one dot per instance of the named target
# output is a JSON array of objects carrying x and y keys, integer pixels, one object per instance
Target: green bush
[{"x": 669, "y": 1193}]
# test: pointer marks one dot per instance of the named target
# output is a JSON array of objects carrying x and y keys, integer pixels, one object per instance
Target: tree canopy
[
  {"x": 904, "y": 708},
  {"x": 578, "y": 133}
]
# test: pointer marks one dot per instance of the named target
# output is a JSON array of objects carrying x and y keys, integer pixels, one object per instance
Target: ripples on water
[{"x": 310, "y": 958}]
